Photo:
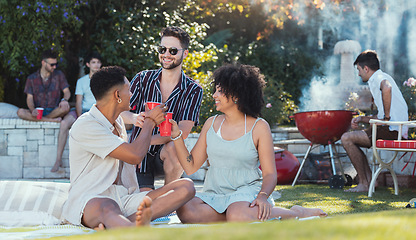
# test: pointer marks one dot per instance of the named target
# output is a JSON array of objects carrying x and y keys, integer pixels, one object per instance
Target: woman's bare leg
[
  {"x": 197, "y": 211},
  {"x": 242, "y": 212}
]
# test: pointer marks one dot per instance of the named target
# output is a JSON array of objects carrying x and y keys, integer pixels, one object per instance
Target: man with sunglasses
[
  {"x": 47, "y": 88},
  {"x": 181, "y": 95}
]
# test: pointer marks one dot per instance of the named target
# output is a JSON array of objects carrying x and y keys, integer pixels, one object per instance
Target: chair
[{"x": 398, "y": 145}]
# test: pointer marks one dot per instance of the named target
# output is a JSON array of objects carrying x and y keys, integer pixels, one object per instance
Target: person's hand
[
  {"x": 175, "y": 129},
  {"x": 139, "y": 119},
  {"x": 265, "y": 208},
  {"x": 35, "y": 112},
  {"x": 355, "y": 122},
  {"x": 157, "y": 114}
]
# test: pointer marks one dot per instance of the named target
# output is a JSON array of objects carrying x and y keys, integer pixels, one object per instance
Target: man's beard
[{"x": 174, "y": 64}]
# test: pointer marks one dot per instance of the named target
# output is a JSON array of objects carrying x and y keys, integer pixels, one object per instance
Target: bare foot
[
  {"x": 303, "y": 212},
  {"x": 45, "y": 119},
  {"x": 56, "y": 166},
  {"x": 100, "y": 227},
  {"x": 359, "y": 188},
  {"x": 144, "y": 212}
]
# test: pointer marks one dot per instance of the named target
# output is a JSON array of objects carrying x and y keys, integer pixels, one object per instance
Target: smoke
[
  {"x": 322, "y": 93},
  {"x": 387, "y": 26}
]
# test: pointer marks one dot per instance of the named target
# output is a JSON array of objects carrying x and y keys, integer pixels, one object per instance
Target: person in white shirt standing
[
  {"x": 83, "y": 102},
  {"x": 390, "y": 105}
]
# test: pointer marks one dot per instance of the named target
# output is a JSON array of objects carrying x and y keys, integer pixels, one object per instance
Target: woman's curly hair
[{"x": 243, "y": 83}]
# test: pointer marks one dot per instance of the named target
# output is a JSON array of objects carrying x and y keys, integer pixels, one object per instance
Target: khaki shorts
[
  {"x": 383, "y": 132},
  {"x": 128, "y": 203}
]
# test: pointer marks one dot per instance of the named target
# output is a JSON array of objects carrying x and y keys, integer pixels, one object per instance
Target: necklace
[{"x": 43, "y": 78}]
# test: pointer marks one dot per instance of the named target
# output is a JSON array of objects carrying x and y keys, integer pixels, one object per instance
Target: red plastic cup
[
  {"x": 151, "y": 105},
  {"x": 40, "y": 113},
  {"x": 165, "y": 127}
]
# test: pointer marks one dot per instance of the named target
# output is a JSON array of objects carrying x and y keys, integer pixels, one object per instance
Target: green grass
[
  {"x": 336, "y": 201},
  {"x": 351, "y": 216}
]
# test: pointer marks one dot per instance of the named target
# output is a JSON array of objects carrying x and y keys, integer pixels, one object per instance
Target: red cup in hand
[
  {"x": 165, "y": 127},
  {"x": 152, "y": 105},
  {"x": 40, "y": 113}
]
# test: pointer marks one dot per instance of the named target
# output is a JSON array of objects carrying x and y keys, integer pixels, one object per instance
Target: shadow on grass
[{"x": 336, "y": 201}]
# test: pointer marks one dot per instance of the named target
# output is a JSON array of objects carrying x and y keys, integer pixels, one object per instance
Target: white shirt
[
  {"x": 92, "y": 171},
  {"x": 398, "y": 109}
]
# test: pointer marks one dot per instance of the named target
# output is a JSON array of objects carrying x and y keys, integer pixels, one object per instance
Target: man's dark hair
[
  {"x": 368, "y": 58},
  {"x": 93, "y": 55},
  {"x": 49, "y": 54},
  {"x": 106, "y": 78},
  {"x": 244, "y": 83},
  {"x": 177, "y": 32}
]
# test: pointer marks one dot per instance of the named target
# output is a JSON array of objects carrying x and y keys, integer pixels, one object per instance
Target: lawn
[
  {"x": 337, "y": 202},
  {"x": 351, "y": 216}
]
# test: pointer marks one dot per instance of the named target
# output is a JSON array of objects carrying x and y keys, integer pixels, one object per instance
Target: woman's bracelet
[
  {"x": 267, "y": 195},
  {"x": 176, "y": 138}
]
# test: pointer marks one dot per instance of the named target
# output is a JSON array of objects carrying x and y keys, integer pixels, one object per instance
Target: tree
[{"x": 26, "y": 29}]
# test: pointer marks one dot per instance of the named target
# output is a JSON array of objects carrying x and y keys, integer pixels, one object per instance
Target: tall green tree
[{"x": 27, "y": 28}]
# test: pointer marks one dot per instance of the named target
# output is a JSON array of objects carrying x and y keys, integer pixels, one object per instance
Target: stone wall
[{"x": 28, "y": 150}]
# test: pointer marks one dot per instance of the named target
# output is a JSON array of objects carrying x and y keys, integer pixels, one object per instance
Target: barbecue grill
[{"x": 325, "y": 128}]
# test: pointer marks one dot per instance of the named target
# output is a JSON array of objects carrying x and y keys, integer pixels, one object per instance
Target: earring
[
  {"x": 235, "y": 101},
  {"x": 119, "y": 100}
]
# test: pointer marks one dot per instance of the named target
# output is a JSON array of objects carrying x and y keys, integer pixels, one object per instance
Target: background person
[
  {"x": 236, "y": 143},
  {"x": 44, "y": 89},
  {"x": 84, "y": 99},
  {"x": 104, "y": 188},
  {"x": 182, "y": 96},
  {"x": 390, "y": 105}
]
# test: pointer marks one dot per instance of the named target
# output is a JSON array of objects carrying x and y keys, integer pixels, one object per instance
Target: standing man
[
  {"x": 391, "y": 106},
  {"x": 182, "y": 96},
  {"x": 43, "y": 89},
  {"x": 84, "y": 99}
]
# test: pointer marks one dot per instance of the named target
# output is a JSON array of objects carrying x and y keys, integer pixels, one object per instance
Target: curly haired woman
[{"x": 236, "y": 143}]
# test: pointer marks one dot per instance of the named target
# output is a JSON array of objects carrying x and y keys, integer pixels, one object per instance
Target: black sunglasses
[
  {"x": 52, "y": 64},
  {"x": 172, "y": 50}
]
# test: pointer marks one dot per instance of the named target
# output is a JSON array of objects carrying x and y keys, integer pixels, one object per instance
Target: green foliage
[
  {"x": 126, "y": 33},
  {"x": 27, "y": 28},
  {"x": 197, "y": 65},
  {"x": 408, "y": 90}
]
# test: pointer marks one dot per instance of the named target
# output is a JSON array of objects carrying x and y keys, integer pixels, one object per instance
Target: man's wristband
[
  {"x": 386, "y": 118},
  {"x": 64, "y": 99}
]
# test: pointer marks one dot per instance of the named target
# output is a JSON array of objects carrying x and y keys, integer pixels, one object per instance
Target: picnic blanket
[
  {"x": 49, "y": 231},
  {"x": 32, "y": 209}
]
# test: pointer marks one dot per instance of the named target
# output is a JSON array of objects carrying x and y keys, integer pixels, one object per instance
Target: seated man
[
  {"x": 390, "y": 105},
  {"x": 104, "y": 189},
  {"x": 83, "y": 102},
  {"x": 43, "y": 89}
]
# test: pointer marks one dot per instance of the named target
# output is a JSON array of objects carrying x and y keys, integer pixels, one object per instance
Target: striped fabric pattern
[
  {"x": 402, "y": 144},
  {"x": 184, "y": 101},
  {"x": 33, "y": 196}
]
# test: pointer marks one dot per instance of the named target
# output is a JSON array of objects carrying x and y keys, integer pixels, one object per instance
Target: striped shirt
[{"x": 184, "y": 101}]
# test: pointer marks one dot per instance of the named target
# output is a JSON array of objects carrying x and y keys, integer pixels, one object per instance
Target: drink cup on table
[
  {"x": 165, "y": 127},
  {"x": 40, "y": 113}
]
